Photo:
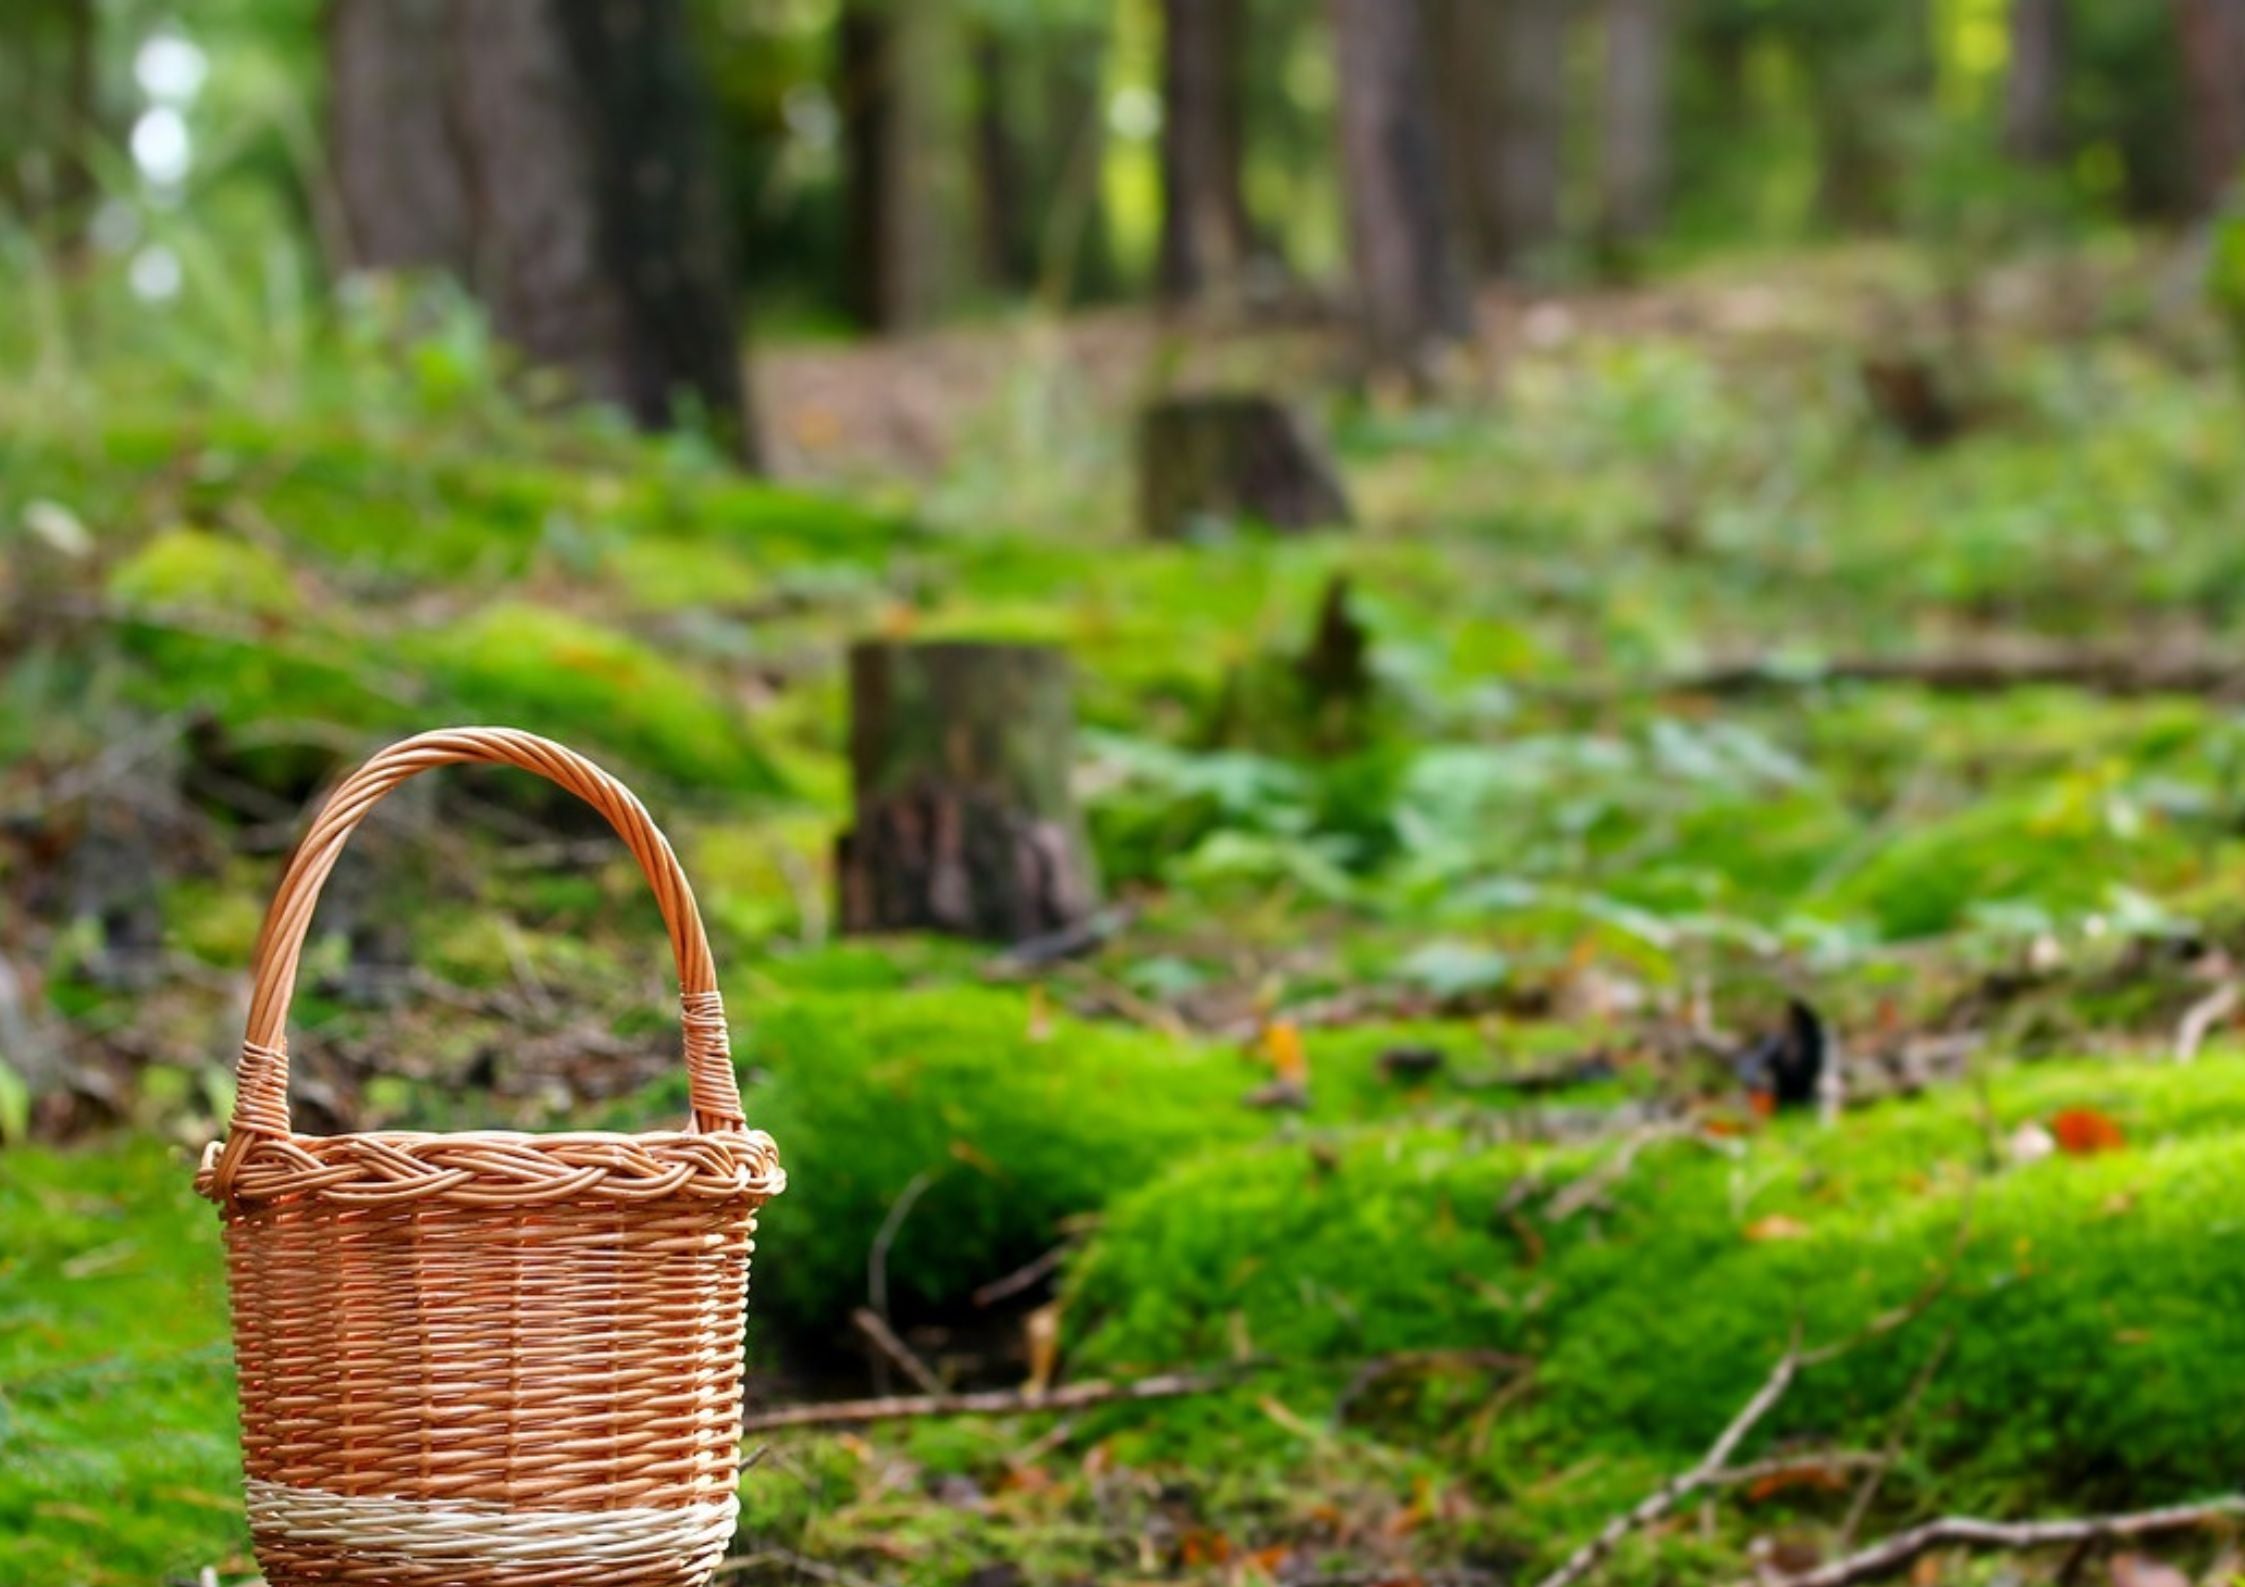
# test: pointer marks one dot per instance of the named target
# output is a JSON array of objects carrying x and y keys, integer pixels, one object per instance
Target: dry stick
[
  {"x": 1867, "y": 1494},
  {"x": 1665, "y": 1498},
  {"x": 2200, "y": 1019},
  {"x": 2105, "y": 672},
  {"x": 885, "y": 1340},
  {"x": 993, "y": 1402},
  {"x": 877, "y": 1259},
  {"x": 1021, "y": 1278},
  {"x": 1884, "y": 1558},
  {"x": 1716, "y": 1461}
]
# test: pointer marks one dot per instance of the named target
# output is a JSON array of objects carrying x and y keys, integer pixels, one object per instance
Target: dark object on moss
[
  {"x": 1412, "y": 1063},
  {"x": 959, "y": 759},
  {"x": 1232, "y": 456},
  {"x": 1786, "y": 1069},
  {"x": 1913, "y": 396}
]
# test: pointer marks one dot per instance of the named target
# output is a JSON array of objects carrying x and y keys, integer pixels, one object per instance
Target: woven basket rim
[{"x": 497, "y": 1167}]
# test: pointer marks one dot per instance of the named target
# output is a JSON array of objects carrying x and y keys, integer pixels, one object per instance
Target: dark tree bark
[
  {"x": 555, "y": 155},
  {"x": 1501, "y": 72},
  {"x": 889, "y": 79},
  {"x": 1633, "y": 153},
  {"x": 960, "y": 756},
  {"x": 2034, "y": 87},
  {"x": 399, "y": 182},
  {"x": 1411, "y": 294},
  {"x": 598, "y": 245},
  {"x": 1205, "y": 237},
  {"x": 2211, "y": 34},
  {"x": 1232, "y": 456},
  {"x": 1009, "y": 241}
]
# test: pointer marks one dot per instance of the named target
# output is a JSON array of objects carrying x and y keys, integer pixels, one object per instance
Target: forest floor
[{"x": 1706, "y": 708}]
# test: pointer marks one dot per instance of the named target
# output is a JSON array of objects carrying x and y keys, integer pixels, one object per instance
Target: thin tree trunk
[
  {"x": 2211, "y": 34},
  {"x": 1009, "y": 246},
  {"x": 1526, "y": 177},
  {"x": 398, "y": 176},
  {"x": 1411, "y": 293},
  {"x": 2034, "y": 88},
  {"x": 598, "y": 245},
  {"x": 1205, "y": 239},
  {"x": 74, "y": 173},
  {"x": 1633, "y": 166},
  {"x": 890, "y": 126}
]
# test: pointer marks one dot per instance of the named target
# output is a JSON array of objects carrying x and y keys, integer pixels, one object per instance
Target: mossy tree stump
[
  {"x": 1232, "y": 456},
  {"x": 965, "y": 823}
]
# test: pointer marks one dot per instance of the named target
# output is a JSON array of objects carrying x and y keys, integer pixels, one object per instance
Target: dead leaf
[
  {"x": 1282, "y": 1047},
  {"x": 1777, "y": 1226},
  {"x": 2084, "y": 1132}
]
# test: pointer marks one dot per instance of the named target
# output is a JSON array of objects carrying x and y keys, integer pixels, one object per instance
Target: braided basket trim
[
  {"x": 487, "y": 1534},
  {"x": 500, "y": 1168}
]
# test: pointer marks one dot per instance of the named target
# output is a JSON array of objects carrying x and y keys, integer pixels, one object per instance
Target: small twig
[
  {"x": 2200, "y": 1019},
  {"x": 1867, "y": 1494},
  {"x": 884, "y": 1339},
  {"x": 877, "y": 1259},
  {"x": 993, "y": 1402},
  {"x": 1384, "y": 1366},
  {"x": 1669, "y": 1494},
  {"x": 1885, "y": 1558},
  {"x": 1022, "y": 1278},
  {"x": 1790, "y": 1465},
  {"x": 1662, "y": 1500},
  {"x": 1069, "y": 942},
  {"x": 1573, "y": 1197}
]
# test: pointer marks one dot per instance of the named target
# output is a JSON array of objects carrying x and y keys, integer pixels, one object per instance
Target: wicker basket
[{"x": 488, "y": 1359}]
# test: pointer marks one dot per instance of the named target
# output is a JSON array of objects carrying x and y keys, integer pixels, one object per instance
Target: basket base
[{"x": 307, "y": 1537}]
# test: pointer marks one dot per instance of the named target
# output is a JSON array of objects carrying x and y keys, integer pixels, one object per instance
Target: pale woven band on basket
[{"x": 488, "y": 1359}]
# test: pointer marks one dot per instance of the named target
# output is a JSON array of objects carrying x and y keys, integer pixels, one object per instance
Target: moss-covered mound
[
  {"x": 1654, "y": 1311},
  {"x": 1013, "y": 1121},
  {"x": 117, "y": 1454}
]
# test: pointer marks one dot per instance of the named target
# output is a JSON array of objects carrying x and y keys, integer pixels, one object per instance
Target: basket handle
[{"x": 261, "y": 1081}]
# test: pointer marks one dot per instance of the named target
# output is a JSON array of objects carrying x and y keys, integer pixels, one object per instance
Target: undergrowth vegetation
[{"x": 1411, "y": 1047}]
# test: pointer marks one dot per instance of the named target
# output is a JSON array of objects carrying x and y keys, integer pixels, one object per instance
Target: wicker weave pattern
[{"x": 488, "y": 1359}]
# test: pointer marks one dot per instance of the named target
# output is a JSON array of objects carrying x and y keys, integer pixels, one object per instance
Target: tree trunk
[
  {"x": 1009, "y": 242},
  {"x": 555, "y": 156},
  {"x": 891, "y": 130},
  {"x": 1411, "y": 294},
  {"x": 960, "y": 757},
  {"x": 1205, "y": 239},
  {"x": 2034, "y": 87},
  {"x": 1525, "y": 177},
  {"x": 1235, "y": 456},
  {"x": 2211, "y": 34},
  {"x": 399, "y": 182},
  {"x": 1633, "y": 163}
]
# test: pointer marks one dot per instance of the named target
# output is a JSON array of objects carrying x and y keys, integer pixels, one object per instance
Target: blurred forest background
[{"x": 1470, "y": 772}]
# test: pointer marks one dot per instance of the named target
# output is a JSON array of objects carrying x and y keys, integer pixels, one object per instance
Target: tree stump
[
  {"x": 959, "y": 763},
  {"x": 1232, "y": 456}
]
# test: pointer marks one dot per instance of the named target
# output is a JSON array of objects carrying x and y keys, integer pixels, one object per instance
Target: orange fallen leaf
[
  {"x": 1811, "y": 1474},
  {"x": 2084, "y": 1132},
  {"x": 1282, "y": 1046},
  {"x": 1777, "y": 1226}
]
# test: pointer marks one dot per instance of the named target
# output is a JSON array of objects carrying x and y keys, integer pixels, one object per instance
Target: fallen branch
[
  {"x": 1898, "y": 1551},
  {"x": 991, "y": 1402},
  {"x": 1024, "y": 1277},
  {"x": 2201, "y": 1017},
  {"x": 884, "y": 1339},
  {"x": 1714, "y": 1468},
  {"x": 2121, "y": 673},
  {"x": 1664, "y": 1499}
]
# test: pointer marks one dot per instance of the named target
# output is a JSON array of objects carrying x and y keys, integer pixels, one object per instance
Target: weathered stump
[
  {"x": 959, "y": 764},
  {"x": 1235, "y": 456}
]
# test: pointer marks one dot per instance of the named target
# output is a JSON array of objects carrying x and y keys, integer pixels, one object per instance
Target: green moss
[
  {"x": 1651, "y": 1322},
  {"x": 185, "y": 570},
  {"x": 588, "y": 685},
  {"x": 1016, "y": 1125},
  {"x": 118, "y": 1461}
]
